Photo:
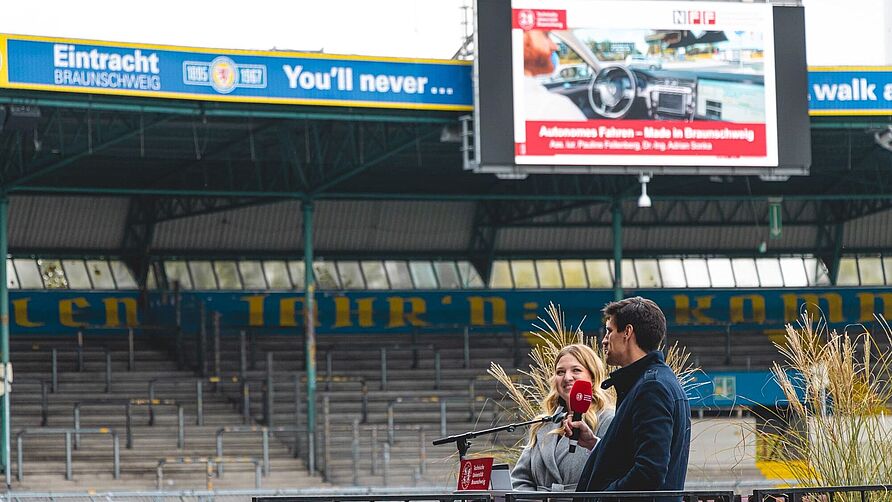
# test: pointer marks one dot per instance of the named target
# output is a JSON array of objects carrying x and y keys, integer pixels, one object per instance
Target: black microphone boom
[{"x": 462, "y": 443}]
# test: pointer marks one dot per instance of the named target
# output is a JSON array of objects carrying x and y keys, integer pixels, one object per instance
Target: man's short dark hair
[{"x": 645, "y": 317}]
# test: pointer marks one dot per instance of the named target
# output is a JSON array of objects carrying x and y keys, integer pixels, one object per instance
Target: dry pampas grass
[{"x": 835, "y": 430}]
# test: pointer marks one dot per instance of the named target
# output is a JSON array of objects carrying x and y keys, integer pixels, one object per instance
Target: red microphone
[{"x": 580, "y": 400}]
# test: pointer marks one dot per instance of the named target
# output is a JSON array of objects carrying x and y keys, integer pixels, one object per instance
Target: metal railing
[
  {"x": 128, "y": 404},
  {"x": 221, "y": 495},
  {"x": 68, "y": 433},
  {"x": 210, "y": 463},
  {"x": 199, "y": 394},
  {"x": 642, "y": 496},
  {"x": 413, "y": 497},
  {"x": 264, "y": 434},
  {"x": 808, "y": 493},
  {"x": 381, "y": 440},
  {"x": 79, "y": 345}
]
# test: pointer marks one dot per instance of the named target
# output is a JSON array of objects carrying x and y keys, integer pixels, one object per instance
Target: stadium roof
[{"x": 125, "y": 175}]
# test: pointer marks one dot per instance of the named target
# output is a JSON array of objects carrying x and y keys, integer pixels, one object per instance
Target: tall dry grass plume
[
  {"x": 526, "y": 389},
  {"x": 836, "y": 430}
]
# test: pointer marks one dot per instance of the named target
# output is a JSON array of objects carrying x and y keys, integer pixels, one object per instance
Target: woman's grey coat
[{"x": 549, "y": 465}]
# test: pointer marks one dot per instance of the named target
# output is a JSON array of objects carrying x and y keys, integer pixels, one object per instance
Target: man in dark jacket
[{"x": 646, "y": 446}]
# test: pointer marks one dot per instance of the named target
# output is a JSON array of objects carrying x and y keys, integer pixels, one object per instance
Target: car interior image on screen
[{"x": 661, "y": 74}]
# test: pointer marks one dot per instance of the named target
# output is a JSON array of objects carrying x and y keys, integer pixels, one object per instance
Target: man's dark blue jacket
[{"x": 646, "y": 446}]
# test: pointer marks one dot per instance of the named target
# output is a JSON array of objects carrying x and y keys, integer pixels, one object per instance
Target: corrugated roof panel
[
  {"x": 343, "y": 226},
  {"x": 657, "y": 240},
  {"x": 667, "y": 239},
  {"x": 66, "y": 222},
  {"x": 393, "y": 225},
  {"x": 874, "y": 231},
  {"x": 270, "y": 227},
  {"x": 591, "y": 239}
]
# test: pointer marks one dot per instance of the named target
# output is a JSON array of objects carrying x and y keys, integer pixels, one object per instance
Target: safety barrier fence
[
  {"x": 68, "y": 433},
  {"x": 426, "y": 497},
  {"x": 128, "y": 405},
  {"x": 411, "y": 494},
  {"x": 248, "y": 351},
  {"x": 380, "y": 433},
  {"x": 380, "y": 440},
  {"x": 863, "y": 493},
  {"x": 80, "y": 346},
  {"x": 264, "y": 435},
  {"x": 210, "y": 464},
  {"x": 229, "y": 495},
  {"x": 485, "y": 496}
]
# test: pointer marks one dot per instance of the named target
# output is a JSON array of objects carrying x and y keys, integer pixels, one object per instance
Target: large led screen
[{"x": 642, "y": 83}]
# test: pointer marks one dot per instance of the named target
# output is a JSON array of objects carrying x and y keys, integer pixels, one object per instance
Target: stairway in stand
[{"x": 44, "y": 455}]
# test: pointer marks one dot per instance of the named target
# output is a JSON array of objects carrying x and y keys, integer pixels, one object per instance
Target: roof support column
[
  {"x": 4, "y": 337},
  {"x": 833, "y": 265},
  {"x": 617, "y": 250},
  {"x": 310, "y": 329}
]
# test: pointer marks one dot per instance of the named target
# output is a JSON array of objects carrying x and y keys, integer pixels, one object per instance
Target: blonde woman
[{"x": 546, "y": 463}]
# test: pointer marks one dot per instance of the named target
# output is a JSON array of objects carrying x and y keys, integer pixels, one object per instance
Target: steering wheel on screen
[{"x": 612, "y": 92}]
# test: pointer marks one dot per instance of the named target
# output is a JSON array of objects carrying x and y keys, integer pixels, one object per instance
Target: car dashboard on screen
[{"x": 674, "y": 95}]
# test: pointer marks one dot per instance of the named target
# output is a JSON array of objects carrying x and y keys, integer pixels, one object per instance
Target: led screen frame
[{"x": 499, "y": 101}]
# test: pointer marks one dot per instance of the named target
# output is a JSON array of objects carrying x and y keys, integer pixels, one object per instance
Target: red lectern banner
[{"x": 475, "y": 474}]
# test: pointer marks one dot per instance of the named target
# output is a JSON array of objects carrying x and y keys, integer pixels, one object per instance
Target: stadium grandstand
[{"x": 219, "y": 283}]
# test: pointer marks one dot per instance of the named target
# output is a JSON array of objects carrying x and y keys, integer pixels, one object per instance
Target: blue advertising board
[
  {"x": 88, "y": 66},
  {"x": 861, "y": 90},
  {"x": 718, "y": 390},
  {"x": 370, "y": 312},
  {"x": 70, "y": 65},
  {"x": 74, "y": 65}
]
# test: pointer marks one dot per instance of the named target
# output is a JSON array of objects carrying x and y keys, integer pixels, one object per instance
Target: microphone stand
[{"x": 462, "y": 443}]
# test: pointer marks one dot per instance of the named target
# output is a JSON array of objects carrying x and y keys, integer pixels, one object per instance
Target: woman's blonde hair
[{"x": 600, "y": 399}]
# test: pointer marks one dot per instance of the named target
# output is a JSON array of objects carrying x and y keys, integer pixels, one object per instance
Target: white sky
[
  {"x": 406, "y": 28},
  {"x": 860, "y": 33}
]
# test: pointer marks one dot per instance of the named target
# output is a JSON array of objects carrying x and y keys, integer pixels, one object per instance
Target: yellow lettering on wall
[
  {"x": 737, "y": 307},
  {"x": 112, "y": 305},
  {"x": 255, "y": 309},
  {"x": 66, "y": 311},
  {"x": 364, "y": 312},
  {"x": 20, "y": 307},
  {"x": 869, "y": 308},
  {"x": 478, "y": 310},
  {"x": 398, "y": 314},
  {"x": 828, "y": 303},
  {"x": 684, "y": 312},
  {"x": 288, "y": 312}
]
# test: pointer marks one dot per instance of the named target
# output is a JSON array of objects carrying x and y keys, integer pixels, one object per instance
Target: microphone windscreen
[{"x": 580, "y": 396}]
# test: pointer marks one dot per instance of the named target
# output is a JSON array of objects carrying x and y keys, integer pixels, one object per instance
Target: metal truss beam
[
  {"x": 392, "y": 145},
  {"x": 43, "y": 166},
  {"x": 216, "y": 151},
  {"x": 291, "y": 157},
  {"x": 172, "y": 208}
]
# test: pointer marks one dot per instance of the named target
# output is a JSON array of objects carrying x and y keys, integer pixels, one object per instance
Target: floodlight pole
[
  {"x": 310, "y": 329},
  {"x": 4, "y": 337},
  {"x": 617, "y": 249}
]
